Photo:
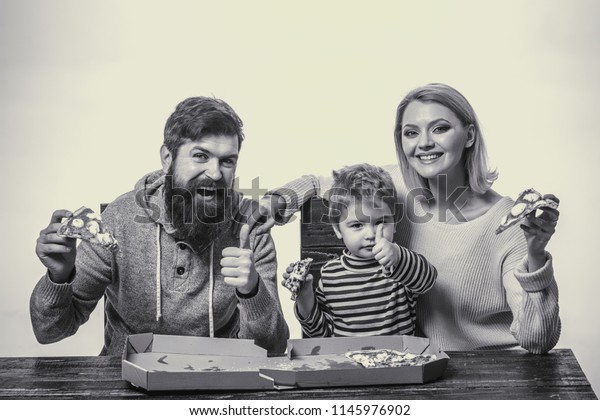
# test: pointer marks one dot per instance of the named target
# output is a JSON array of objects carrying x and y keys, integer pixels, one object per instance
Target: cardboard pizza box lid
[{"x": 163, "y": 362}]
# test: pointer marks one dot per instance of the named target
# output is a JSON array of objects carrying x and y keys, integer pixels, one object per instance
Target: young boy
[{"x": 372, "y": 288}]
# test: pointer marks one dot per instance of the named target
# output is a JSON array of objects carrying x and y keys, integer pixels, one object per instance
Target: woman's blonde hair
[{"x": 481, "y": 177}]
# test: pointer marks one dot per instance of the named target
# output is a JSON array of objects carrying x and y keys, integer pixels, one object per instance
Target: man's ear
[
  {"x": 336, "y": 229},
  {"x": 470, "y": 136},
  {"x": 166, "y": 158}
]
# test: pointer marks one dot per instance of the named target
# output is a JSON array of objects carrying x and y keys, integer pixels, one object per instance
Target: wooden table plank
[{"x": 511, "y": 375}]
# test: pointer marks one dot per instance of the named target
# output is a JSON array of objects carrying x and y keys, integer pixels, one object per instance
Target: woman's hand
[
  {"x": 538, "y": 231},
  {"x": 264, "y": 212}
]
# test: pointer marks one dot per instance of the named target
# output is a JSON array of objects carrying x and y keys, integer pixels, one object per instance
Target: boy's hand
[
  {"x": 305, "y": 299},
  {"x": 237, "y": 265},
  {"x": 303, "y": 288},
  {"x": 385, "y": 252}
]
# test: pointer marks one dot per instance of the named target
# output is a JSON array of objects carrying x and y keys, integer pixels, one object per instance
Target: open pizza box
[
  {"x": 163, "y": 362},
  {"x": 168, "y": 362}
]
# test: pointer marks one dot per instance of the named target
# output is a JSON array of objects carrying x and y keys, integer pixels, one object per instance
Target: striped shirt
[{"x": 355, "y": 297}]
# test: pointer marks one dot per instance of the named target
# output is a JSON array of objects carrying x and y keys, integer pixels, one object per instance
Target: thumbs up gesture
[
  {"x": 385, "y": 252},
  {"x": 237, "y": 265}
]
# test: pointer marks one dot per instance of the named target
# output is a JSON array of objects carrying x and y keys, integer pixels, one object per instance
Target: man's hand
[
  {"x": 237, "y": 265},
  {"x": 385, "y": 252},
  {"x": 55, "y": 252}
]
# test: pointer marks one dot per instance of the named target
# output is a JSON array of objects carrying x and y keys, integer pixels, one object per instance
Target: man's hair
[
  {"x": 353, "y": 184},
  {"x": 198, "y": 117},
  {"x": 480, "y": 176}
]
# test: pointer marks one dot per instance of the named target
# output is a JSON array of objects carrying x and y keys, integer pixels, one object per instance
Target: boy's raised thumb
[{"x": 379, "y": 233}]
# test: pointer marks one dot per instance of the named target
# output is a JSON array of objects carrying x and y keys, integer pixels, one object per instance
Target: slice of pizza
[
  {"x": 527, "y": 202},
  {"x": 388, "y": 358},
  {"x": 410, "y": 359},
  {"x": 297, "y": 276},
  {"x": 85, "y": 224}
]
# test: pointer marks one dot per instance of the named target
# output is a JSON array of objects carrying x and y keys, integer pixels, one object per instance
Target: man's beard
[{"x": 197, "y": 221}]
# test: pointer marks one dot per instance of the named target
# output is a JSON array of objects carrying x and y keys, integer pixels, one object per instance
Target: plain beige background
[{"x": 86, "y": 87}]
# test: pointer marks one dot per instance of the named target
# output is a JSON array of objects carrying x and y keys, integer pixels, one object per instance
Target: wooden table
[{"x": 510, "y": 375}]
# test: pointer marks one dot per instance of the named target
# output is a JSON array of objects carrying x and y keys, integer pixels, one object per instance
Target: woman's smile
[{"x": 429, "y": 158}]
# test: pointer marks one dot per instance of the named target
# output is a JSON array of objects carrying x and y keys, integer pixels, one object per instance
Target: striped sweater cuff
[
  {"x": 310, "y": 317},
  {"x": 415, "y": 272},
  {"x": 295, "y": 193},
  {"x": 538, "y": 280},
  {"x": 312, "y": 323}
]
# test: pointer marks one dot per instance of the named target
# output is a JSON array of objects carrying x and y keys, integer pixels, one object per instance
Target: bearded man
[{"x": 184, "y": 265}]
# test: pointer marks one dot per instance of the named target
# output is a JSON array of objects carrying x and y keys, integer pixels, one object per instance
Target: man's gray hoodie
[{"x": 155, "y": 283}]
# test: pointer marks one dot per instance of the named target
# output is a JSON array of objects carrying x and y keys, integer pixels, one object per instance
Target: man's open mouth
[{"x": 207, "y": 192}]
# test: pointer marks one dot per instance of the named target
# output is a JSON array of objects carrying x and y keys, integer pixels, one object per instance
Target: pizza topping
[
  {"x": 87, "y": 225},
  {"x": 105, "y": 238},
  {"x": 78, "y": 223},
  {"x": 528, "y": 201},
  {"x": 388, "y": 358},
  {"x": 297, "y": 276},
  {"x": 93, "y": 227},
  {"x": 518, "y": 209},
  {"x": 532, "y": 197}
]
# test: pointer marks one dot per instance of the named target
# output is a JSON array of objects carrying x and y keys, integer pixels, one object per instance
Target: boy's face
[{"x": 358, "y": 226}]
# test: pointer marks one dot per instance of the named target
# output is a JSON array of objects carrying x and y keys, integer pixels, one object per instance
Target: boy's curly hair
[{"x": 352, "y": 184}]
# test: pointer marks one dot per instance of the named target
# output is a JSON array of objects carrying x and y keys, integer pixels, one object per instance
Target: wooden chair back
[{"x": 317, "y": 238}]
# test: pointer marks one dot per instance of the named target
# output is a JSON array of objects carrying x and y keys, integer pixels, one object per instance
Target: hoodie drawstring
[
  {"x": 158, "y": 301},
  {"x": 211, "y": 285}
]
